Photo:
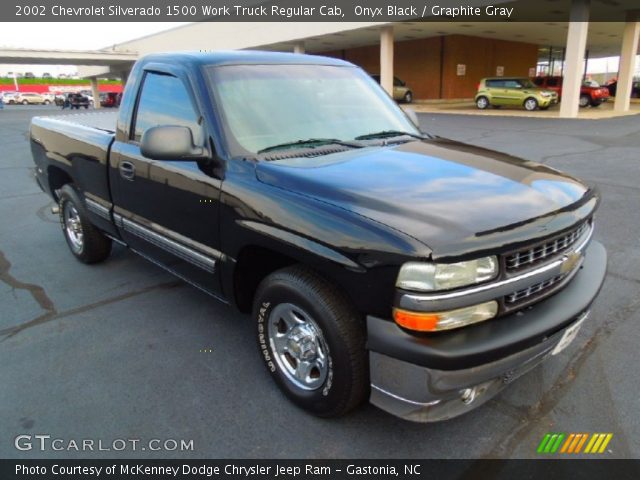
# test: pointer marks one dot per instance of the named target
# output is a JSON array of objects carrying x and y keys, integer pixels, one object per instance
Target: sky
[
  {"x": 95, "y": 35},
  {"x": 71, "y": 36}
]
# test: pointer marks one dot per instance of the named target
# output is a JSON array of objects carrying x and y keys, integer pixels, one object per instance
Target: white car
[
  {"x": 48, "y": 98},
  {"x": 9, "y": 98}
]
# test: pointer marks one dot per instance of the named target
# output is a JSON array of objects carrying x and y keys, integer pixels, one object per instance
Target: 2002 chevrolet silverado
[{"x": 377, "y": 261}]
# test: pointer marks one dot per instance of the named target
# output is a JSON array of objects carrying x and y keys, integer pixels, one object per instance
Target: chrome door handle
[{"x": 127, "y": 170}]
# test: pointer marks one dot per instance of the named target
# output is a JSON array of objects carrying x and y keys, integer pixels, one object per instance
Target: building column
[
  {"x": 386, "y": 59},
  {"x": 124, "y": 76},
  {"x": 576, "y": 45},
  {"x": 298, "y": 47},
  {"x": 630, "y": 39},
  {"x": 95, "y": 91}
]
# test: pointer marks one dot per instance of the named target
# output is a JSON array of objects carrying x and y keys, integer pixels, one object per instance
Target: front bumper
[{"x": 439, "y": 376}]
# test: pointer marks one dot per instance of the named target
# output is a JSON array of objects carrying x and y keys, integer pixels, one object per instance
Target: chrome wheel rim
[
  {"x": 73, "y": 227},
  {"x": 530, "y": 104},
  {"x": 298, "y": 346},
  {"x": 584, "y": 101},
  {"x": 482, "y": 103}
]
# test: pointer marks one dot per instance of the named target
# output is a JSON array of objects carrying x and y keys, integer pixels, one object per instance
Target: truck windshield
[{"x": 269, "y": 106}]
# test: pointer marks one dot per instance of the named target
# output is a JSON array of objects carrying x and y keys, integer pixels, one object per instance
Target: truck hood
[{"x": 438, "y": 191}]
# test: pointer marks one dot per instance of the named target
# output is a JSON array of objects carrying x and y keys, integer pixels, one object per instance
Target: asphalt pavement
[{"x": 122, "y": 350}]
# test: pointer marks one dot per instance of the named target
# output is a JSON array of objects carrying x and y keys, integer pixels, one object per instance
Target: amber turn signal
[{"x": 446, "y": 320}]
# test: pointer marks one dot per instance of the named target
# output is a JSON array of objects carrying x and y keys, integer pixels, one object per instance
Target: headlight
[
  {"x": 425, "y": 277},
  {"x": 545, "y": 94}
]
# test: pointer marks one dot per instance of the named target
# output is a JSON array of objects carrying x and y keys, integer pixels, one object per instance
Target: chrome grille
[
  {"x": 532, "y": 255},
  {"x": 527, "y": 293}
]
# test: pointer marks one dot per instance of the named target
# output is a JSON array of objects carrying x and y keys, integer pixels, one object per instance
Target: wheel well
[
  {"x": 58, "y": 178},
  {"x": 253, "y": 265}
]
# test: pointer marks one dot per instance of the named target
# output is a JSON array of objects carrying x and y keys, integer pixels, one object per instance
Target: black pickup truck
[{"x": 377, "y": 261}]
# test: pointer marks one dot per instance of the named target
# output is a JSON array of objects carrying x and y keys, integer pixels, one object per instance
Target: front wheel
[
  {"x": 312, "y": 341},
  {"x": 530, "y": 104},
  {"x": 596, "y": 103},
  {"x": 24, "y": 102},
  {"x": 408, "y": 97},
  {"x": 85, "y": 241}
]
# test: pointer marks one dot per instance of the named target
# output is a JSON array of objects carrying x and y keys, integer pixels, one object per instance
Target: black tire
[
  {"x": 95, "y": 246},
  {"x": 86, "y": 106},
  {"x": 596, "y": 103},
  {"x": 24, "y": 102},
  {"x": 345, "y": 381},
  {"x": 408, "y": 97},
  {"x": 482, "y": 103},
  {"x": 46, "y": 102},
  {"x": 585, "y": 101},
  {"x": 530, "y": 104}
]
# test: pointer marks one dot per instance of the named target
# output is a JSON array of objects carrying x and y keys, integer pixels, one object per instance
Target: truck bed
[
  {"x": 105, "y": 121},
  {"x": 77, "y": 146}
]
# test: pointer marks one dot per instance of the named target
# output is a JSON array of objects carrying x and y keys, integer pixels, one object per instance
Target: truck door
[{"x": 167, "y": 210}]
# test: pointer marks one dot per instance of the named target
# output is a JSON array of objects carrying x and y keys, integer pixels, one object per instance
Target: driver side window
[{"x": 164, "y": 100}]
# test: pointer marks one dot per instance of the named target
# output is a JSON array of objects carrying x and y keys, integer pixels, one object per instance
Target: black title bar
[
  {"x": 307, "y": 10},
  {"x": 543, "y": 468}
]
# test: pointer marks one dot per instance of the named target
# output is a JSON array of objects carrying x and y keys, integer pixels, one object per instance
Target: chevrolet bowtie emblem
[{"x": 569, "y": 261}]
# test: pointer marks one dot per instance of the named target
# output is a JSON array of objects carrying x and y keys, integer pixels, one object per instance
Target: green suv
[{"x": 513, "y": 92}]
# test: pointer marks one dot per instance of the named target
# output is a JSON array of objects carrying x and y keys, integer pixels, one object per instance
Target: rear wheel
[
  {"x": 85, "y": 241},
  {"x": 530, "y": 104},
  {"x": 312, "y": 341},
  {"x": 24, "y": 102},
  {"x": 585, "y": 100},
  {"x": 482, "y": 103}
]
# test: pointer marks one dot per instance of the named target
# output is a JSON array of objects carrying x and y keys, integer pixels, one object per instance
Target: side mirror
[
  {"x": 411, "y": 113},
  {"x": 170, "y": 142}
]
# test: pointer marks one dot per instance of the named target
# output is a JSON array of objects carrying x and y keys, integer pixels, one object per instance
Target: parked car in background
[
  {"x": 77, "y": 100},
  {"x": 401, "y": 93},
  {"x": 110, "y": 99},
  {"x": 89, "y": 95},
  {"x": 29, "y": 75},
  {"x": 28, "y": 98},
  {"x": 513, "y": 92},
  {"x": 49, "y": 98},
  {"x": 591, "y": 93},
  {"x": 613, "y": 88},
  {"x": 9, "y": 97}
]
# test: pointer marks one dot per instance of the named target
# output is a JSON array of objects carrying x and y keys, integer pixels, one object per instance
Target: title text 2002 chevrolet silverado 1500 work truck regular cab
[{"x": 377, "y": 261}]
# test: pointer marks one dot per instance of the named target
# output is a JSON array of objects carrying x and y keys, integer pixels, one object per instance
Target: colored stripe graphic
[
  {"x": 543, "y": 443},
  {"x": 572, "y": 443}
]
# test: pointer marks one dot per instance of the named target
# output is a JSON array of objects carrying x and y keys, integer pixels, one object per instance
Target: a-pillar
[
  {"x": 627, "y": 68},
  {"x": 573, "y": 71},
  {"x": 386, "y": 59}
]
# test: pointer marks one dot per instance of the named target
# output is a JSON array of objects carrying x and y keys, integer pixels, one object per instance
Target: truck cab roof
[{"x": 241, "y": 57}]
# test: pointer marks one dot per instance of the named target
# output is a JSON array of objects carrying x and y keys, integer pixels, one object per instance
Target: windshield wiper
[
  {"x": 311, "y": 143},
  {"x": 388, "y": 134}
]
